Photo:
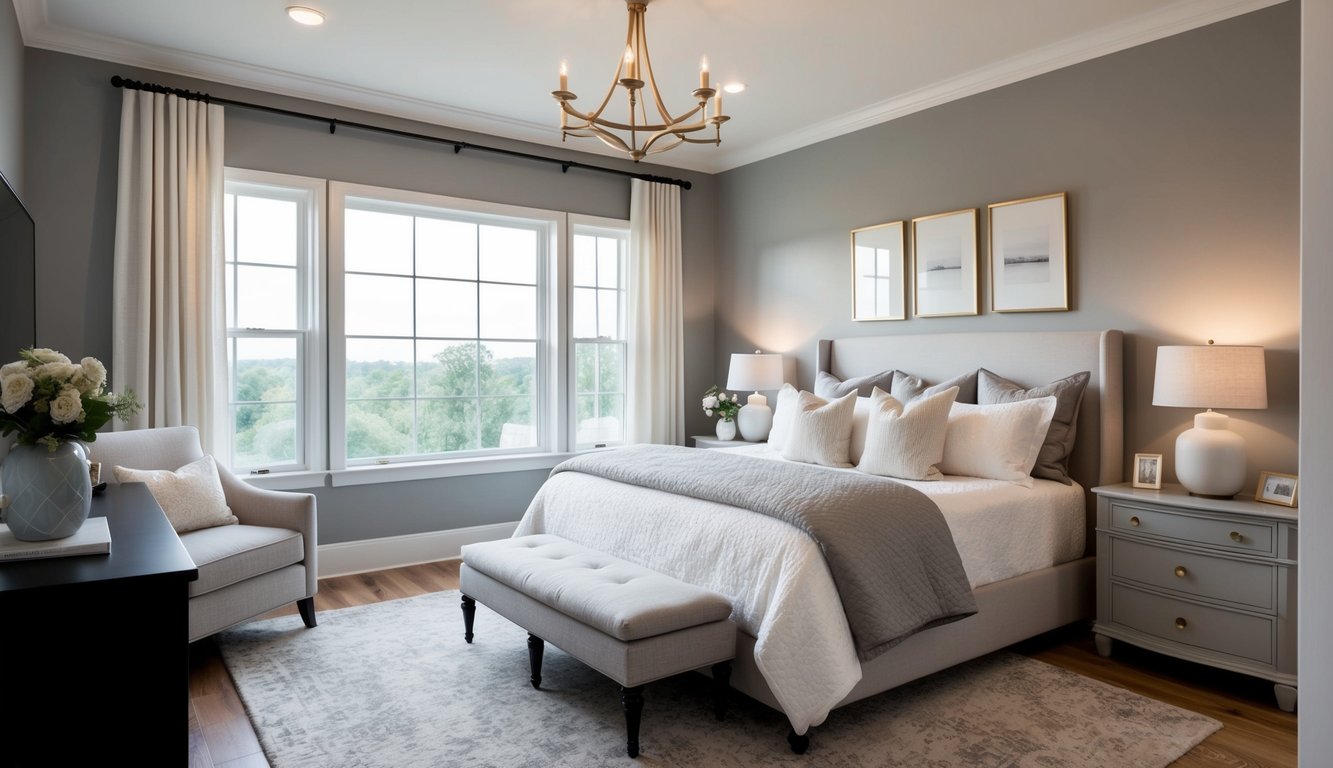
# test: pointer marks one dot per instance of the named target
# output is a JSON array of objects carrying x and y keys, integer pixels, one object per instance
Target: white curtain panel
[
  {"x": 656, "y": 390},
  {"x": 168, "y": 323}
]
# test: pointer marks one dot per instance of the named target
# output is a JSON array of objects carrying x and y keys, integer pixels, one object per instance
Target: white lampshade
[
  {"x": 1210, "y": 458},
  {"x": 754, "y": 372}
]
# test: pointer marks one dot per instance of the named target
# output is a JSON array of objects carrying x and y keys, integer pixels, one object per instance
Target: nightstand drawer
[
  {"x": 1228, "y": 534},
  {"x": 1217, "y": 578},
  {"x": 1214, "y": 629}
]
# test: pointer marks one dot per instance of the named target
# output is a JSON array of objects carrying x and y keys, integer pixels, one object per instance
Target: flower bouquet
[
  {"x": 719, "y": 403},
  {"x": 47, "y": 399}
]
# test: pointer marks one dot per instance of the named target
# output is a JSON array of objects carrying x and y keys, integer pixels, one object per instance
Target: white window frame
[
  {"x": 596, "y": 226},
  {"x": 310, "y": 196},
  {"x": 552, "y": 296}
]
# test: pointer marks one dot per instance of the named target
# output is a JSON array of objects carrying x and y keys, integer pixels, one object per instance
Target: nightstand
[
  {"x": 1208, "y": 580},
  {"x": 711, "y": 441}
]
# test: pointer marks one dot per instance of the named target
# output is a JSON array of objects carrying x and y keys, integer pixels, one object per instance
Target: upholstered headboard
[{"x": 1026, "y": 358}]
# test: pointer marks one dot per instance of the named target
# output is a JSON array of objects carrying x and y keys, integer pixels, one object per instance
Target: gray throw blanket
[{"x": 888, "y": 547}]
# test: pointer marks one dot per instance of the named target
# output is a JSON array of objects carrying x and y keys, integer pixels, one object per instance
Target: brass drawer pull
[
  {"x": 1180, "y": 571},
  {"x": 1134, "y": 521},
  {"x": 1236, "y": 537},
  {"x": 1181, "y": 623}
]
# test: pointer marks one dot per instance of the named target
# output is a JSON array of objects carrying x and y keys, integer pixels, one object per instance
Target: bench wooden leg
[
  {"x": 632, "y": 700},
  {"x": 721, "y": 688},
  {"x": 469, "y": 614},
  {"x": 535, "y": 648}
]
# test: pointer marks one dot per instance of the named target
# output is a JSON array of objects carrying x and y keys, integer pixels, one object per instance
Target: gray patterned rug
[{"x": 393, "y": 685}]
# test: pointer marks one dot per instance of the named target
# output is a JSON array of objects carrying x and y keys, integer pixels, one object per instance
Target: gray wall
[
  {"x": 1316, "y": 574},
  {"x": 11, "y": 97},
  {"x": 72, "y": 124},
  {"x": 1180, "y": 160}
]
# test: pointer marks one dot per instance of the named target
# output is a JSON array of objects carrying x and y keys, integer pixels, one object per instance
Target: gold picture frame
[
  {"x": 1029, "y": 254},
  {"x": 945, "y": 279},
  {"x": 1148, "y": 471},
  {"x": 879, "y": 272},
  {"x": 1277, "y": 488}
]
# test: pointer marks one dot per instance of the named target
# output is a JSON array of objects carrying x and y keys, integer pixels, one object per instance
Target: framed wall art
[
  {"x": 1029, "y": 255},
  {"x": 944, "y": 264},
  {"x": 879, "y": 272}
]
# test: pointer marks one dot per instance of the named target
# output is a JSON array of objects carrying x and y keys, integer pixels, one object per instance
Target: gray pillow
[
  {"x": 1053, "y": 460},
  {"x": 907, "y": 388},
  {"x": 829, "y": 386}
]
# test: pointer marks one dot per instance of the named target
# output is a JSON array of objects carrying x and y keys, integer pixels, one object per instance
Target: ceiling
[{"x": 813, "y": 70}]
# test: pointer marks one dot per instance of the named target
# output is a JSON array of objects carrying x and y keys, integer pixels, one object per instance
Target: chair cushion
[
  {"x": 613, "y": 596},
  {"x": 232, "y": 553}
]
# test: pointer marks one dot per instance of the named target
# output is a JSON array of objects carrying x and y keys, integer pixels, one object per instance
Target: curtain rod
[{"x": 334, "y": 123}]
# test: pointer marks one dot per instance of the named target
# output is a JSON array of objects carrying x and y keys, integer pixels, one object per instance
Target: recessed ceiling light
[
  {"x": 307, "y": 16},
  {"x": 734, "y": 87}
]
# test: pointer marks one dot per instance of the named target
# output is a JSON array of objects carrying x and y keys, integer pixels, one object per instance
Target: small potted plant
[{"x": 719, "y": 403}]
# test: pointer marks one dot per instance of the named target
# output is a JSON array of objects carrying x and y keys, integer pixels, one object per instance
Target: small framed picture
[
  {"x": 1276, "y": 488},
  {"x": 1148, "y": 470}
]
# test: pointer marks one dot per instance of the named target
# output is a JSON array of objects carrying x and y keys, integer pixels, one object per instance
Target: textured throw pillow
[
  {"x": 1000, "y": 442},
  {"x": 191, "y": 497},
  {"x": 860, "y": 419},
  {"x": 1053, "y": 460},
  {"x": 907, "y": 388},
  {"x": 821, "y": 430},
  {"x": 906, "y": 442},
  {"x": 830, "y": 386},
  {"x": 783, "y": 408}
]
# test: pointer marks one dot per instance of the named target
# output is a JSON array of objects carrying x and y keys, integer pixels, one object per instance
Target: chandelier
[{"x": 641, "y": 136}]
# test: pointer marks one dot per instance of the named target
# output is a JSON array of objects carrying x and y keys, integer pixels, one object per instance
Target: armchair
[{"x": 264, "y": 562}]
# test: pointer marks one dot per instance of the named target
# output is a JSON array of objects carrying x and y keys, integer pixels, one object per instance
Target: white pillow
[
  {"x": 191, "y": 497},
  {"x": 821, "y": 430},
  {"x": 906, "y": 442},
  {"x": 1000, "y": 441},
  {"x": 782, "y": 413},
  {"x": 860, "y": 420}
]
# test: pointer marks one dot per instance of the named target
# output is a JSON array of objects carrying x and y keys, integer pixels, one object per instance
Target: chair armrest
[{"x": 275, "y": 509}]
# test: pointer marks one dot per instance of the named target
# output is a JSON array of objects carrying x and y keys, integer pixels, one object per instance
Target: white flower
[
  {"x": 61, "y": 372},
  {"x": 67, "y": 407},
  {"x": 708, "y": 411},
  {"x": 15, "y": 392},
  {"x": 710, "y": 402},
  {"x": 18, "y": 366},
  {"x": 45, "y": 355},
  {"x": 91, "y": 377}
]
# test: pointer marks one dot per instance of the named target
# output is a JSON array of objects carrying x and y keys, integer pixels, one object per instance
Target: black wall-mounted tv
[{"x": 18, "y": 275}]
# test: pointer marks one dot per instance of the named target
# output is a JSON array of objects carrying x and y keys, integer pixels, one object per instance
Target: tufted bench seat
[{"x": 630, "y": 623}]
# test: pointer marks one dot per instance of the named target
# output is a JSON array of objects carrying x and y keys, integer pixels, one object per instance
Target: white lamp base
[
  {"x": 1210, "y": 458},
  {"x": 755, "y": 418}
]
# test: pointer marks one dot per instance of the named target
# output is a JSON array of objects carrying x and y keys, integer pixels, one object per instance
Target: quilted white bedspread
[{"x": 781, "y": 589}]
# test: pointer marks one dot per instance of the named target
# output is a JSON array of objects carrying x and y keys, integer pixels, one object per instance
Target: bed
[{"x": 795, "y": 652}]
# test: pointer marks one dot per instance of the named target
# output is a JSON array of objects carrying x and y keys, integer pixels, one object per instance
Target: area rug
[{"x": 393, "y": 685}]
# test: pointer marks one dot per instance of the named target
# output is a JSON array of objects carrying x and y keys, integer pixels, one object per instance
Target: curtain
[
  {"x": 168, "y": 324},
  {"x": 656, "y": 389}
]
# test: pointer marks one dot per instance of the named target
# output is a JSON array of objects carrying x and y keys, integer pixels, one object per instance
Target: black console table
[{"x": 94, "y": 649}]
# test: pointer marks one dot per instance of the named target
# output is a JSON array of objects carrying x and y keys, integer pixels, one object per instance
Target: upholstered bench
[{"x": 630, "y": 623}]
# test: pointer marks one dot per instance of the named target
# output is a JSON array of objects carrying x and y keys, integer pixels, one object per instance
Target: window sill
[{"x": 286, "y": 481}]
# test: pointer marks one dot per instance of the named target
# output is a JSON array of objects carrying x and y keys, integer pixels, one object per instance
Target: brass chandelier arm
[{"x": 595, "y": 119}]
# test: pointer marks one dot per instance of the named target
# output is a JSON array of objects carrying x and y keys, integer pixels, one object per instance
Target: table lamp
[
  {"x": 1210, "y": 458},
  {"x": 755, "y": 372}
]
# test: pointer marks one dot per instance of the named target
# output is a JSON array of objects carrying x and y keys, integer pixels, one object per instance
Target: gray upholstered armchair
[{"x": 264, "y": 562}]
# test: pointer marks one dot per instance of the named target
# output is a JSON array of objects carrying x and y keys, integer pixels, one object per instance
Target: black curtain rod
[{"x": 334, "y": 124}]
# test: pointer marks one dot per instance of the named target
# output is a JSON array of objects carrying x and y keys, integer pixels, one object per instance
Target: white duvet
[{"x": 780, "y": 587}]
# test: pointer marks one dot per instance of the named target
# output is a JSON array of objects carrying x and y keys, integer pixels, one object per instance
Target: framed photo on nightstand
[
  {"x": 1148, "y": 470},
  {"x": 1276, "y": 488}
]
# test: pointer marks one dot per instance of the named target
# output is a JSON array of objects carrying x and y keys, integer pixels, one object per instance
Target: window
[
  {"x": 272, "y": 267},
  {"x": 599, "y": 256},
  {"x": 457, "y": 332}
]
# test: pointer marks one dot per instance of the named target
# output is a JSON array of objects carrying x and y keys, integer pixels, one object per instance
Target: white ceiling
[{"x": 813, "y": 70}]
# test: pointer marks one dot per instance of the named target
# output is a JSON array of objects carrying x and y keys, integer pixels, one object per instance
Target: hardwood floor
[{"x": 1255, "y": 733}]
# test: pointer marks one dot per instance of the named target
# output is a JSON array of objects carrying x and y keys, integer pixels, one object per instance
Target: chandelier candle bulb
[
  {"x": 564, "y": 76},
  {"x": 717, "y": 104},
  {"x": 703, "y": 73}
]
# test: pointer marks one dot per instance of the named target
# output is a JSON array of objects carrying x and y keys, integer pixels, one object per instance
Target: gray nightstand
[
  {"x": 1208, "y": 580},
  {"x": 711, "y": 441}
]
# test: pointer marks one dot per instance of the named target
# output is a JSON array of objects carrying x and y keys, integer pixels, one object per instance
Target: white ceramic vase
[{"x": 726, "y": 429}]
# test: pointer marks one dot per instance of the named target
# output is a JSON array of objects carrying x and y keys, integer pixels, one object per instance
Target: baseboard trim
[{"x": 351, "y": 557}]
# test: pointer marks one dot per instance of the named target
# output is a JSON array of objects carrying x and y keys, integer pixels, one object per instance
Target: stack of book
[{"x": 92, "y": 538}]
